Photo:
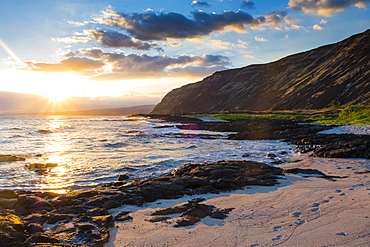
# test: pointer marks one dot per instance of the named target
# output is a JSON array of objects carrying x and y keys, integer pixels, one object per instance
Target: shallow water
[{"x": 89, "y": 150}]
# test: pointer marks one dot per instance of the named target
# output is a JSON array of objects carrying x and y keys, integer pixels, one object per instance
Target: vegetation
[{"x": 355, "y": 115}]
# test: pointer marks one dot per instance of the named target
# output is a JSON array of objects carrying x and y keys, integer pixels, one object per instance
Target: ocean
[{"x": 66, "y": 153}]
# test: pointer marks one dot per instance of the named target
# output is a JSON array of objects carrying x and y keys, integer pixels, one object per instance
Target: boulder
[
  {"x": 13, "y": 230},
  {"x": 10, "y": 158}
]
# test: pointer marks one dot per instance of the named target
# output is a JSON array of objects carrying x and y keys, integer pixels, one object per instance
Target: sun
[{"x": 57, "y": 97}]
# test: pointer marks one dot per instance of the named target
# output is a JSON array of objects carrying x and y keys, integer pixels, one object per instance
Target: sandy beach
[{"x": 300, "y": 211}]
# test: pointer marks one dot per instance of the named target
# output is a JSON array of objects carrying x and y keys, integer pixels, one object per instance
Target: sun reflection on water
[{"x": 57, "y": 144}]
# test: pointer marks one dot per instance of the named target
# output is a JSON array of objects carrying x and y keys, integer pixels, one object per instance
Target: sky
[{"x": 134, "y": 52}]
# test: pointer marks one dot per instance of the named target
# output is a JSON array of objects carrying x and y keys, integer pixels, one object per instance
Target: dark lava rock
[
  {"x": 270, "y": 155},
  {"x": 8, "y": 194},
  {"x": 277, "y": 162},
  {"x": 192, "y": 212},
  {"x": 7, "y": 203},
  {"x": 54, "y": 218},
  {"x": 82, "y": 217},
  {"x": 158, "y": 219},
  {"x": 10, "y": 158},
  {"x": 36, "y": 218},
  {"x": 42, "y": 239},
  {"x": 312, "y": 172},
  {"x": 34, "y": 228},
  {"x": 304, "y": 171},
  {"x": 122, "y": 216},
  {"x": 27, "y": 204},
  {"x": 12, "y": 229},
  {"x": 359, "y": 148},
  {"x": 221, "y": 213},
  {"x": 187, "y": 220},
  {"x": 123, "y": 177},
  {"x": 41, "y": 168}
]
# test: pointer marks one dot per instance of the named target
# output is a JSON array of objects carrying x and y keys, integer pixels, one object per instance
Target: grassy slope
[{"x": 355, "y": 115}]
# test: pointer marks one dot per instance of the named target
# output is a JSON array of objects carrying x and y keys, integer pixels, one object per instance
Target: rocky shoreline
[
  {"x": 82, "y": 218},
  {"x": 304, "y": 135}
]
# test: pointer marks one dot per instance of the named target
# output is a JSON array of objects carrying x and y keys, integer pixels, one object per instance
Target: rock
[
  {"x": 27, "y": 204},
  {"x": 45, "y": 131},
  {"x": 103, "y": 221},
  {"x": 270, "y": 155},
  {"x": 97, "y": 201},
  {"x": 122, "y": 216},
  {"x": 97, "y": 212},
  {"x": 12, "y": 229},
  {"x": 246, "y": 155},
  {"x": 158, "y": 219},
  {"x": 41, "y": 168},
  {"x": 10, "y": 158},
  {"x": 199, "y": 210},
  {"x": 74, "y": 209},
  {"x": 221, "y": 213},
  {"x": 277, "y": 162},
  {"x": 41, "y": 238},
  {"x": 7, "y": 203},
  {"x": 123, "y": 177},
  {"x": 8, "y": 194},
  {"x": 359, "y": 148},
  {"x": 304, "y": 171},
  {"x": 54, "y": 218},
  {"x": 192, "y": 212},
  {"x": 187, "y": 220},
  {"x": 36, "y": 218},
  {"x": 34, "y": 228}
]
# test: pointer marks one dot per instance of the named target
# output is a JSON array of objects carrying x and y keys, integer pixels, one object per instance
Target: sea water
[{"x": 78, "y": 152}]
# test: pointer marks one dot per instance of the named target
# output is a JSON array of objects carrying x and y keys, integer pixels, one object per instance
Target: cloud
[
  {"x": 325, "y": 7},
  {"x": 79, "y": 24},
  {"x": 200, "y": 4},
  {"x": 247, "y": 4},
  {"x": 161, "y": 26},
  {"x": 117, "y": 40},
  {"x": 276, "y": 17},
  {"x": 317, "y": 27},
  {"x": 260, "y": 39},
  {"x": 81, "y": 65},
  {"x": 111, "y": 39},
  {"x": 249, "y": 56},
  {"x": 144, "y": 66}
]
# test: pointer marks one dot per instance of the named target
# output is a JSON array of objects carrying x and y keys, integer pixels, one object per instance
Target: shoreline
[
  {"x": 301, "y": 211},
  {"x": 47, "y": 217}
]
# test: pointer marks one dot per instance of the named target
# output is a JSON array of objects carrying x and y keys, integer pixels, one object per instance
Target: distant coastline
[{"x": 141, "y": 109}]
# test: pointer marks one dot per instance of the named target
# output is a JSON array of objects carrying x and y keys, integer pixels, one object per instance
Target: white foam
[{"x": 349, "y": 129}]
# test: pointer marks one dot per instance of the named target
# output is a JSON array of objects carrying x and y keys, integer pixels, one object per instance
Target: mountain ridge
[{"x": 310, "y": 79}]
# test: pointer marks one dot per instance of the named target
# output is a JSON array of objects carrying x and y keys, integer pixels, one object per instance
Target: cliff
[{"x": 311, "y": 79}]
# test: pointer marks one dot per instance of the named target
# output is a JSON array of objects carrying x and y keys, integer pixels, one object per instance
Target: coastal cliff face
[{"x": 311, "y": 79}]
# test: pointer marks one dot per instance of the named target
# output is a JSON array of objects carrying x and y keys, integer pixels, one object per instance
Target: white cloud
[
  {"x": 249, "y": 56},
  {"x": 260, "y": 39},
  {"x": 317, "y": 27}
]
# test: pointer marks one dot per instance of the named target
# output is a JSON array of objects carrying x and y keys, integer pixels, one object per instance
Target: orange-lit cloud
[
  {"x": 81, "y": 65},
  {"x": 144, "y": 66},
  {"x": 325, "y": 7}
]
